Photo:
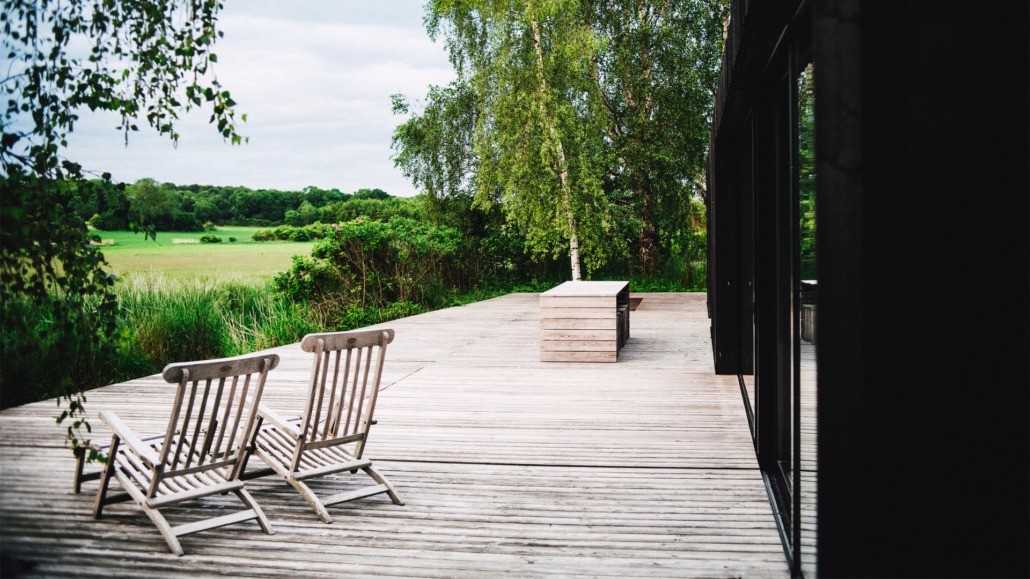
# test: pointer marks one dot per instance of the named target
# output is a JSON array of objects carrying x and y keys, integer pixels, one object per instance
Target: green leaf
[{"x": 132, "y": 58}]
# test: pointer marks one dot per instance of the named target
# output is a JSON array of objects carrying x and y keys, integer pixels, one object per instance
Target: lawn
[{"x": 180, "y": 255}]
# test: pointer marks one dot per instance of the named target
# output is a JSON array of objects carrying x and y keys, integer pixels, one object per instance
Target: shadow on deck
[{"x": 507, "y": 465}]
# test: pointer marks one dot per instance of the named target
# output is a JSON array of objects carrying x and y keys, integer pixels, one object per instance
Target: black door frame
[{"x": 770, "y": 236}]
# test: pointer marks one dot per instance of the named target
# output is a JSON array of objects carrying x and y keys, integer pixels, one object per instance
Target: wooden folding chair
[
  {"x": 330, "y": 437},
  {"x": 201, "y": 452}
]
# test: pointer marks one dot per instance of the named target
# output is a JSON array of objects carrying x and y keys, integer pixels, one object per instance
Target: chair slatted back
[
  {"x": 213, "y": 415},
  {"x": 345, "y": 376}
]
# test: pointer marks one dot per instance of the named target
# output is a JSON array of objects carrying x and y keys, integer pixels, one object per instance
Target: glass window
[{"x": 808, "y": 284}]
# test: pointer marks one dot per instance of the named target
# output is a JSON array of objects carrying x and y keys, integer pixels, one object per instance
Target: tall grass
[
  {"x": 175, "y": 320},
  {"x": 161, "y": 320}
]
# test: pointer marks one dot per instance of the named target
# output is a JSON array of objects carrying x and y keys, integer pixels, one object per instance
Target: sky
[{"x": 314, "y": 79}]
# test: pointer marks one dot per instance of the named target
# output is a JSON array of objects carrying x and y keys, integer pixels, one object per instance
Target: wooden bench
[{"x": 584, "y": 321}]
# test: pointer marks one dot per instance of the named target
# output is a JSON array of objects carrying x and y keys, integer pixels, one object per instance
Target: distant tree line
[{"x": 113, "y": 206}]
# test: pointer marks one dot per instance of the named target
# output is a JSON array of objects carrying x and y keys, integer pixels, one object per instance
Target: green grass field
[{"x": 179, "y": 255}]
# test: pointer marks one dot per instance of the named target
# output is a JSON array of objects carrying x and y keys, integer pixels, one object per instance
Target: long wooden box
[{"x": 586, "y": 321}]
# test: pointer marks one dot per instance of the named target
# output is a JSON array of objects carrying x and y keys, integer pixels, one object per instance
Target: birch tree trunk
[{"x": 563, "y": 163}]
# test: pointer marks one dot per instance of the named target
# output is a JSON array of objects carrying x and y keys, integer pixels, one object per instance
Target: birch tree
[
  {"x": 536, "y": 138},
  {"x": 571, "y": 111}
]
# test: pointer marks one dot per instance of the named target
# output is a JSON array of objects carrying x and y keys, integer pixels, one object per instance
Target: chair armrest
[
  {"x": 280, "y": 422},
  {"x": 129, "y": 437}
]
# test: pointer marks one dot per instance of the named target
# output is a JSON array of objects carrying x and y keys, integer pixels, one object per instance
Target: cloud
[{"x": 315, "y": 81}]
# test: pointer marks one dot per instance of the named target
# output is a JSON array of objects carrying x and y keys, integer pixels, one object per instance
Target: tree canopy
[
  {"x": 656, "y": 80},
  {"x": 578, "y": 116}
]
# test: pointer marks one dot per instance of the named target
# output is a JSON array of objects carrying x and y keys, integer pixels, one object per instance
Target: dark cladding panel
[
  {"x": 924, "y": 275},
  {"x": 724, "y": 268},
  {"x": 923, "y": 197}
]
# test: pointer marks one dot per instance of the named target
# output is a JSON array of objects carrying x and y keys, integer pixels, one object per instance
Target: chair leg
[
  {"x": 312, "y": 499},
  {"x": 105, "y": 478},
  {"x": 382, "y": 480},
  {"x": 250, "y": 502},
  {"x": 248, "y": 449},
  {"x": 166, "y": 530},
  {"x": 80, "y": 459}
]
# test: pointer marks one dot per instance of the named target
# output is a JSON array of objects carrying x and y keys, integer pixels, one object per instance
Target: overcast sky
[{"x": 314, "y": 78}]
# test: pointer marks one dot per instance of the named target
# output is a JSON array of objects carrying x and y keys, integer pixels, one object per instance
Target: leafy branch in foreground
[{"x": 140, "y": 60}]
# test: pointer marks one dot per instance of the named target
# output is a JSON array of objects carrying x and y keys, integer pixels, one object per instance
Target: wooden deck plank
[{"x": 506, "y": 464}]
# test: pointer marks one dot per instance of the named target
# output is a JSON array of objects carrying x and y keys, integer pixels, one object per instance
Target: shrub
[
  {"x": 210, "y": 239},
  {"x": 299, "y": 234},
  {"x": 263, "y": 235},
  {"x": 363, "y": 266},
  {"x": 311, "y": 232},
  {"x": 232, "y": 240},
  {"x": 358, "y": 317},
  {"x": 375, "y": 209},
  {"x": 401, "y": 260},
  {"x": 318, "y": 284},
  {"x": 107, "y": 221},
  {"x": 209, "y": 226},
  {"x": 158, "y": 322}
]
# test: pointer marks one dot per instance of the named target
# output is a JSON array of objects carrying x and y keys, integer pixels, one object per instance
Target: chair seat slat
[
  {"x": 334, "y": 441},
  {"x": 318, "y": 459},
  {"x": 135, "y": 468},
  {"x": 332, "y": 469},
  {"x": 307, "y": 461},
  {"x": 197, "y": 493},
  {"x": 338, "y": 453},
  {"x": 281, "y": 437},
  {"x": 276, "y": 442},
  {"x": 201, "y": 468}
]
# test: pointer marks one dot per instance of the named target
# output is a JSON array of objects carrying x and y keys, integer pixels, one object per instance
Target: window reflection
[{"x": 808, "y": 284}]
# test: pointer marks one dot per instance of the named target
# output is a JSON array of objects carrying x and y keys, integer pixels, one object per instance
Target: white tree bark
[{"x": 563, "y": 163}]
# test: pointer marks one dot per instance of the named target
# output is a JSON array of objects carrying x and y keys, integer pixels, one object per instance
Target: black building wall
[
  {"x": 923, "y": 206},
  {"x": 921, "y": 141}
]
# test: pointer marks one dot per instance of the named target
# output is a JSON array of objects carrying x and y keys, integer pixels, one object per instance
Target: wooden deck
[{"x": 508, "y": 465}]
